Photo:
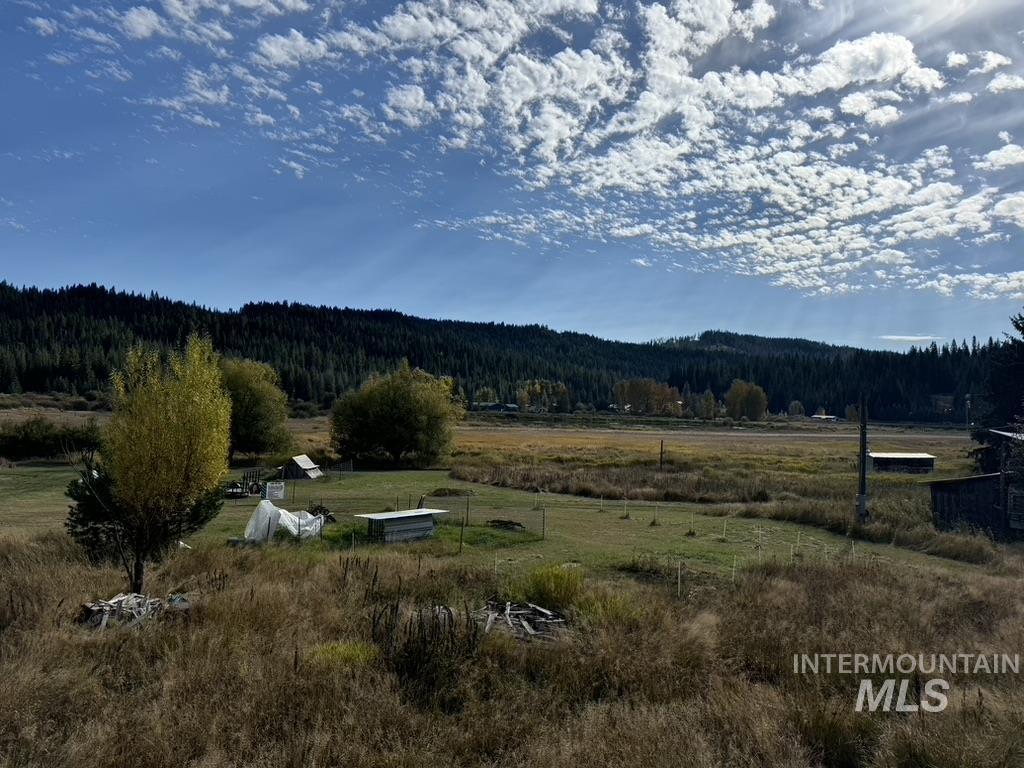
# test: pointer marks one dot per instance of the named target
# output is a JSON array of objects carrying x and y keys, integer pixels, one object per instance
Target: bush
[
  {"x": 554, "y": 586},
  {"x": 342, "y": 654}
]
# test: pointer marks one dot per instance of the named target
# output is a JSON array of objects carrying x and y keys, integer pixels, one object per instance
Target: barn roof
[
  {"x": 1011, "y": 435},
  {"x": 963, "y": 479},
  {"x": 403, "y": 513},
  {"x": 305, "y": 462},
  {"x": 891, "y": 455}
]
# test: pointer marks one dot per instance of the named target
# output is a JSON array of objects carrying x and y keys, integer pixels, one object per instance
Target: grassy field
[
  {"x": 819, "y": 466},
  {"x": 683, "y": 617}
]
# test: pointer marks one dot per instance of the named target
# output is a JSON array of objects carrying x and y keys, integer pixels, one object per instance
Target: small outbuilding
[
  {"x": 404, "y": 525},
  {"x": 301, "y": 467},
  {"x": 970, "y": 502},
  {"x": 914, "y": 463}
]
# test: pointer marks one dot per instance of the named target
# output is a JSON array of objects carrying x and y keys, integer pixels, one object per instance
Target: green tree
[
  {"x": 162, "y": 457},
  {"x": 401, "y": 414},
  {"x": 708, "y": 405},
  {"x": 745, "y": 399},
  {"x": 796, "y": 408},
  {"x": 259, "y": 409}
]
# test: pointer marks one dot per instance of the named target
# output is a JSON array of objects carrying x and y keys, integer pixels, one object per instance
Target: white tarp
[{"x": 267, "y": 518}]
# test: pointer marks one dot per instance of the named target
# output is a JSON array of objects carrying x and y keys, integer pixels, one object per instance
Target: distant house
[
  {"x": 901, "y": 462},
  {"x": 403, "y": 525},
  {"x": 824, "y": 417},
  {"x": 301, "y": 467}
]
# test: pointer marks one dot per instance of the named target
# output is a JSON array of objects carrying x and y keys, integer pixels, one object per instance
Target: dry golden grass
[{"x": 277, "y": 667}]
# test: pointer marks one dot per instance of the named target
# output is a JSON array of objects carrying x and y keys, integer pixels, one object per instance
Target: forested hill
[{"x": 68, "y": 340}]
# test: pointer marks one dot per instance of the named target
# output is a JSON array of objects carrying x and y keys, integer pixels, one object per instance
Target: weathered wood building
[
  {"x": 403, "y": 525},
  {"x": 970, "y": 503}
]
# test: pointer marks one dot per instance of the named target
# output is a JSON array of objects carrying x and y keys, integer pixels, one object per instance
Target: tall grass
[{"x": 295, "y": 658}]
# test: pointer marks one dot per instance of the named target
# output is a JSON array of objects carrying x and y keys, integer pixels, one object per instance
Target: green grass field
[{"x": 604, "y": 533}]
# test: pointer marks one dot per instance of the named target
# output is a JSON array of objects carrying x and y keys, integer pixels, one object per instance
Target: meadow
[{"x": 684, "y": 614}]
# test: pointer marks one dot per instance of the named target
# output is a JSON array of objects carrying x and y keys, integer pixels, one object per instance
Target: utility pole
[
  {"x": 862, "y": 484},
  {"x": 967, "y": 408},
  {"x": 661, "y": 456}
]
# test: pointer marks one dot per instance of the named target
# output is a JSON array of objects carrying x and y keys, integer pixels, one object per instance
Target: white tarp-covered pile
[{"x": 267, "y": 518}]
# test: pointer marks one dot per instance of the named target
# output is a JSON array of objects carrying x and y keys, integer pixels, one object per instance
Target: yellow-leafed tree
[{"x": 163, "y": 456}]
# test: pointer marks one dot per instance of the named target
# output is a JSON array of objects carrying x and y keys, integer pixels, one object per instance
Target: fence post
[{"x": 543, "y": 522}]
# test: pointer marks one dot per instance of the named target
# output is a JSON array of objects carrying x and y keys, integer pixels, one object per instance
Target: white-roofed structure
[
  {"x": 892, "y": 461},
  {"x": 403, "y": 525}
]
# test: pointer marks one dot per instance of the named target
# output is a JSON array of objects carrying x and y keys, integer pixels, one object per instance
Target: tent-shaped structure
[{"x": 301, "y": 467}]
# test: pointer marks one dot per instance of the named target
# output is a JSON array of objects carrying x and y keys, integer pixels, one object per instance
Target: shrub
[
  {"x": 554, "y": 586},
  {"x": 342, "y": 654}
]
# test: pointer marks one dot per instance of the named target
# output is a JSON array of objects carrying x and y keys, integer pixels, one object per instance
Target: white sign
[{"x": 275, "y": 491}]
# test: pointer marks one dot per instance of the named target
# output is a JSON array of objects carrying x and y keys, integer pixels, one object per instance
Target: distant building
[
  {"x": 901, "y": 462},
  {"x": 301, "y": 467},
  {"x": 824, "y": 417}
]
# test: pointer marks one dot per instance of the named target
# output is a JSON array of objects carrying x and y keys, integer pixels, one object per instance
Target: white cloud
[
  {"x": 1011, "y": 208},
  {"x": 904, "y": 338},
  {"x": 882, "y": 115},
  {"x": 955, "y": 59},
  {"x": 1004, "y": 82},
  {"x": 1010, "y": 154},
  {"x": 289, "y": 50},
  {"x": 44, "y": 27},
  {"x": 990, "y": 61},
  {"x": 408, "y": 104},
  {"x": 140, "y": 23}
]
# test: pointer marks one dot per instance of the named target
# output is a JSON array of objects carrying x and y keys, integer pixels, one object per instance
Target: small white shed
[{"x": 404, "y": 525}]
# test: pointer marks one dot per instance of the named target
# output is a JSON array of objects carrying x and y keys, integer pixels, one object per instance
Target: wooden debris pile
[
  {"x": 129, "y": 610},
  {"x": 523, "y": 620}
]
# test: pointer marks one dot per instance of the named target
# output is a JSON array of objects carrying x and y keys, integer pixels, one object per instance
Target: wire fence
[{"x": 531, "y": 517}]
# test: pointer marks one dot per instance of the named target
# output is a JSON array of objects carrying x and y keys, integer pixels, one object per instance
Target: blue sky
[{"x": 850, "y": 172}]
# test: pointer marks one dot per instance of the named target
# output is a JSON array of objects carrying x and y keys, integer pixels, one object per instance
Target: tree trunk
[{"x": 138, "y": 575}]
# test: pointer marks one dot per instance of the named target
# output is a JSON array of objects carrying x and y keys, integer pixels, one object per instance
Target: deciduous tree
[
  {"x": 259, "y": 409},
  {"x": 162, "y": 457},
  {"x": 407, "y": 413}
]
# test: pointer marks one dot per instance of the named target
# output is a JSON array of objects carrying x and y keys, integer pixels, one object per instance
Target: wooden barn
[
  {"x": 301, "y": 467},
  {"x": 913, "y": 463},
  {"x": 976, "y": 503},
  {"x": 404, "y": 525}
]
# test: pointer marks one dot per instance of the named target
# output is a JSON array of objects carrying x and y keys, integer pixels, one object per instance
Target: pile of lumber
[
  {"x": 523, "y": 620},
  {"x": 128, "y": 610}
]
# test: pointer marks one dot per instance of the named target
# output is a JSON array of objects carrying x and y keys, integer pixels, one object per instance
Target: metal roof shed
[
  {"x": 404, "y": 525},
  {"x": 902, "y": 462},
  {"x": 301, "y": 467}
]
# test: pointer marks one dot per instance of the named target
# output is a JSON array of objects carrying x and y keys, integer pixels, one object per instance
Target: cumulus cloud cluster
[{"x": 696, "y": 128}]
